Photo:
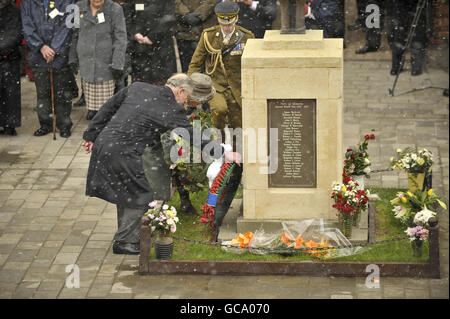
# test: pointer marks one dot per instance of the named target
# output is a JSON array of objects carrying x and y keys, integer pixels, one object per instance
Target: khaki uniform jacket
[
  {"x": 204, "y": 62},
  {"x": 206, "y": 10}
]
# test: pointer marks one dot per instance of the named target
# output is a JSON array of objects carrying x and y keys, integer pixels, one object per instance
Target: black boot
[
  {"x": 80, "y": 102},
  {"x": 185, "y": 202}
]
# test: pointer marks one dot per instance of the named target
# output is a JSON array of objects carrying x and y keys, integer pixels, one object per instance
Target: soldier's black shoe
[
  {"x": 80, "y": 102},
  {"x": 42, "y": 131},
  {"x": 125, "y": 248},
  {"x": 365, "y": 49},
  {"x": 65, "y": 133},
  {"x": 90, "y": 115}
]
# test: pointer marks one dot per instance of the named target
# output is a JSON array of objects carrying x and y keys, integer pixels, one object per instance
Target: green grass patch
[{"x": 387, "y": 227}]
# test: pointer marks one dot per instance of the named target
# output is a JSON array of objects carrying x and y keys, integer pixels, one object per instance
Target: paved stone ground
[{"x": 46, "y": 222}]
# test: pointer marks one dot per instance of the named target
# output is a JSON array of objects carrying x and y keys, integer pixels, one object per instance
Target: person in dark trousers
[
  {"x": 402, "y": 16},
  {"x": 257, "y": 16},
  {"x": 48, "y": 39},
  {"x": 373, "y": 33},
  {"x": 153, "y": 56},
  {"x": 133, "y": 118},
  {"x": 193, "y": 16},
  {"x": 98, "y": 49},
  {"x": 10, "y": 41}
]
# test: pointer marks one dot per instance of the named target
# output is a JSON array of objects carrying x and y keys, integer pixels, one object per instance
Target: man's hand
[
  {"x": 87, "y": 146},
  {"x": 48, "y": 53},
  {"x": 141, "y": 39},
  {"x": 147, "y": 40},
  {"x": 233, "y": 157}
]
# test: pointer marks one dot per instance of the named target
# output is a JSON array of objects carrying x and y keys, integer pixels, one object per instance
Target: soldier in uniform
[{"x": 219, "y": 53}]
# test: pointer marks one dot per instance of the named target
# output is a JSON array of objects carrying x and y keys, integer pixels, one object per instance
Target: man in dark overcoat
[
  {"x": 134, "y": 117},
  {"x": 10, "y": 40}
]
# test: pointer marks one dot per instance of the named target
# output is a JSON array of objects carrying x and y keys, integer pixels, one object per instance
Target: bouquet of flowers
[
  {"x": 417, "y": 233},
  {"x": 411, "y": 161},
  {"x": 349, "y": 200},
  {"x": 408, "y": 204},
  {"x": 163, "y": 220},
  {"x": 357, "y": 159}
]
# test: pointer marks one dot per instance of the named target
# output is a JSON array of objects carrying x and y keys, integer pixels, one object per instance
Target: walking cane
[{"x": 53, "y": 100}]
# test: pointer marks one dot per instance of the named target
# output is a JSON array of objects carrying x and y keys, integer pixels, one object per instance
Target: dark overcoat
[
  {"x": 260, "y": 19},
  {"x": 129, "y": 121},
  {"x": 10, "y": 39},
  {"x": 153, "y": 62}
]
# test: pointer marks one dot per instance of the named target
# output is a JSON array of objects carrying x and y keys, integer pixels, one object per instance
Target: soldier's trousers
[
  {"x": 63, "y": 93},
  {"x": 128, "y": 224},
  {"x": 224, "y": 104}
]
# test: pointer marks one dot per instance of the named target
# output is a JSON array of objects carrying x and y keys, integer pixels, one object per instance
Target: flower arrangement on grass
[
  {"x": 414, "y": 162},
  {"x": 357, "y": 159},
  {"x": 412, "y": 207},
  {"x": 417, "y": 233},
  {"x": 348, "y": 199},
  {"x": 163, "y": 220}
]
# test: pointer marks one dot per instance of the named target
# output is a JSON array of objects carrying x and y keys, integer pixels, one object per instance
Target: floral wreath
[{"x": 216, "y": 192}]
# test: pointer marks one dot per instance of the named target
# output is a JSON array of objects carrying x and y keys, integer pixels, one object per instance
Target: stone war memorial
[{"x": 292, "y": 83}]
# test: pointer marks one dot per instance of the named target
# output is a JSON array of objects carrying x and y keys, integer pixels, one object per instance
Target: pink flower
[{"x": 173, "y": 228}]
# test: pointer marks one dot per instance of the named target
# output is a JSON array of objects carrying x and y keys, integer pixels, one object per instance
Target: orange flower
[
  {"x": 299, "y": 241},
  {"x": 286, "y": 239}
]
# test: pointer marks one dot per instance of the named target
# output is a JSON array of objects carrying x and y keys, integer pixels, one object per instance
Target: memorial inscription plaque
[{"x": 295, "y": 120}]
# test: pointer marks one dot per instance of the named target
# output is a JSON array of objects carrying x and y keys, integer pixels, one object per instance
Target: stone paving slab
[{"x": 47, "y": 223}]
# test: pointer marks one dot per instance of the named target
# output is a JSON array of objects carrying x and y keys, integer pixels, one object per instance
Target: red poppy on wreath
[{"x": 181, "y": 151}]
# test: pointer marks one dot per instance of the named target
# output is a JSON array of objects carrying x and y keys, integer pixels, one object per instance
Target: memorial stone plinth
[{"x": 292, "y": 90}]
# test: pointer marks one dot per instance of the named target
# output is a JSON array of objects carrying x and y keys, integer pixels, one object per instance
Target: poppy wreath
[{"x": 216, "y": 193}]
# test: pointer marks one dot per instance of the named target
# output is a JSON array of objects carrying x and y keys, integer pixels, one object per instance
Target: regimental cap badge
[
  {"x": 226, "y": 12},
  {"x": 52, "y": 4}
]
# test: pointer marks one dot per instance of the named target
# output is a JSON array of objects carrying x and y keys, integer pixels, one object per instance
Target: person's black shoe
[
  {"x": 11, "y": 131},
  {"x": 90, "y": 115},
  {"x": 416, "y": 71},
  {"x": 64, "y": 133},
  {"x": 42, "y": 131},
  {"x": 125, "y": 248},
  {"x": 80, "y": 102},
  {"x": 365, "y": 49},
  {"x": 355, "y": 26}
]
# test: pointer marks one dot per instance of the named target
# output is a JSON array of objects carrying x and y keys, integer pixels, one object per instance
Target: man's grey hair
[{"x": 181, "y": 80}]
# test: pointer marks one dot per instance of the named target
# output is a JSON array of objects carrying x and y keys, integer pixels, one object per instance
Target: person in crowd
[
  {"x": 127, "y": 7},
  {"x": 48, "y": 39},
  {"x": 257, "y": 16},
  {"x": 133, "y": 118},
  {"x": 98, "y": 50},
  {"x": 193, "y": 16},
  {"x": 219, "y": 53},
  {"x": 402, "y": 16},
  {"x": 373, "y": 33},
  {"x": 360, "y": 22},
  {"x": 153, "y": 26},
  {"x": 10, "y": 41}
]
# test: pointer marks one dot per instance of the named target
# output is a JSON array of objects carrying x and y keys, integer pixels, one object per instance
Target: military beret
[{"x": 226, "y": 12}]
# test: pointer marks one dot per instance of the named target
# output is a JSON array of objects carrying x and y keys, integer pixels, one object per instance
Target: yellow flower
[
  {"x": 344, "y": 189},
  {"x": 430, "y": 192},
  {"x": 399, "y": 150},
  {"x": 420, "y": 161},
  {"x": 404, "y": 200},
  {"x": 409, "y": 194}
]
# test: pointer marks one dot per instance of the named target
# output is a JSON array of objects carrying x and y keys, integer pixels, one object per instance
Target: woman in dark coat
[
  {"x": 153, "y": 56},
  {"x": 134, "y": 117},
  {"x": 10, "y": 40}
]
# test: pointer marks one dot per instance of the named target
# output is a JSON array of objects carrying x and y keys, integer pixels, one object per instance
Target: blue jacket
[
  {"x": 324, "y": 8},
  {"x": 39, "y": 30}
]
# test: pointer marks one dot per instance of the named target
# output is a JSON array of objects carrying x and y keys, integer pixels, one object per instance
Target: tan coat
[
  {"x": 231, "y": 76},
  {"x": 204, "y": 7}
]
